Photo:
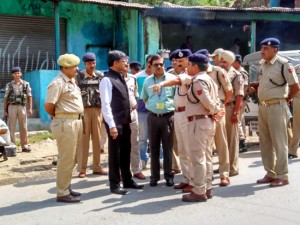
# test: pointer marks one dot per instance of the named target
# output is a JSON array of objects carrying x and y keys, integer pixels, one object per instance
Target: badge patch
[
  {"x": 199, "y": 92},
  {"x": 291, "y": 70}
]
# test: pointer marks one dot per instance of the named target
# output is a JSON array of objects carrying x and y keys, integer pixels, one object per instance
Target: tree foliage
[{"x": 188, "y": 2}]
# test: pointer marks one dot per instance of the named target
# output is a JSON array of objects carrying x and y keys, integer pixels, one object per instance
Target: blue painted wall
[{"x": 39, "y": 81}]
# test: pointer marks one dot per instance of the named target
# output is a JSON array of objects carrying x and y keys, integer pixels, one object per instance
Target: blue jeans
[{"x": 143, "y": 135}]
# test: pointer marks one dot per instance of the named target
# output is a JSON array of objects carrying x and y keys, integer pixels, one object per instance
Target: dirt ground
[{"x": 36, "y": 165}]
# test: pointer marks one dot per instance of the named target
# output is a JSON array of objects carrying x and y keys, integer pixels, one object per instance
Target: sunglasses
[{"x": 158, "y": 64}]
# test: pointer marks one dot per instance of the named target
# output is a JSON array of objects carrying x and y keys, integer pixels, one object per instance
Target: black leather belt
[
  {"x": 198, "y": 117},
  {"x": 229, "y": 103},
  {"x": 162, "y": 114}
]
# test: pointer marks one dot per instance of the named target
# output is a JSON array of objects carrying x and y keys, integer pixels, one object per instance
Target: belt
[
  {"x": 229, "y": 103},
  {"x": 74, "y": 116},
  {"x": 198, "y": 117},
  {"x": 271, "y": 101},
  {"x": 162, "y": 114},
  {"x": 17, "y": 104},
  {"x": 180, "y": 109}
]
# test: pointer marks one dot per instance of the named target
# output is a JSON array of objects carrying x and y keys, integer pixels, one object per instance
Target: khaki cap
[
  {"x": 227, "y": 56},
  {"x": 68, "y": 60},
  {"x": 216, "y": 52}
]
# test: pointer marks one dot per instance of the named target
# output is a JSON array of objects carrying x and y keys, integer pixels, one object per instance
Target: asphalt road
[{"x": 243, "y": 202}]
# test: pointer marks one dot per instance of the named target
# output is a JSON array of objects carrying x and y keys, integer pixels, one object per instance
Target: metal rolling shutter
[{"x": 28, "y": 42}]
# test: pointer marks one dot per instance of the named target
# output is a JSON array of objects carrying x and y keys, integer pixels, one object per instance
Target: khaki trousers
[
  {"x": 242, "y": 123},
  {"x": 181, "y": 126},
  {"x": 68, "y": 135},
  {"x": 222, "y": 147},
  {"x": 273, "y": 138},
  {"x": 175, "y": 156},
  {"x": 296, "y": 127},
  {"x": 92, "y": 127},
  {"x": 232, "y": 141},
  {"x": 201, "y": 134},
  {"x": 18, "y": 112},
  {"x": 135, "y": 162}
]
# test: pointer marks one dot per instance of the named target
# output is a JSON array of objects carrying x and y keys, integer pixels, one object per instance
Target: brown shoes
[
  {"x": 209, "y": 193},
  {"x": 100, "y": 173},
  {"x": 265, "y": 180},
  {"x": 192, "y": 197},
  {"x": 279, "y": 182},
  {"x": 68, "y": 199},
  {"x": 182, "y": 185},
  {"x": 224, "y": 182},
  {"x": 81, "y": 175},
  {"x": 187, "y": 189},
  {"x": 139, "y": 176}
]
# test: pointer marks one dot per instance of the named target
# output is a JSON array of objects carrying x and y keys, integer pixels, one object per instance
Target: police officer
[
  {"x": 203, "y": 106},
  {"x": 88, "y": 82},
  {"x": 135, "y": 67},
  {"x": 278, "y": 84},
  {"x": 64, "y": 105},
  {"x": 233, "y": 107},
  {"x": 219, "y": 76},
  {"x": 216, "y": 56},
  {"x": 242, "y": 124},
  {"x": 17, "y": 93}
]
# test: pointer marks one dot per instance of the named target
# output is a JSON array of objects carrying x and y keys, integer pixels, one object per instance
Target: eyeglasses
[{"x": 158, "y": 64}]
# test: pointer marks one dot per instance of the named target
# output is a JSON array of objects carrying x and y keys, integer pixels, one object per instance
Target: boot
[{"x": 243, "y": 146}]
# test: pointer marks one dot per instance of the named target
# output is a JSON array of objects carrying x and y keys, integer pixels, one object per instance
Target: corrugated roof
[{"x": 114, "y": 3}]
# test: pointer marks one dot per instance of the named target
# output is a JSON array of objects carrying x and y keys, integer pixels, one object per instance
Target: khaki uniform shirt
[
  {"x": 297, "y": 71},
  {"x": 18, "y": 88},
  {"x": 180, "y": 92},
  {"x": 132, "y": 89},
  {"x": 65, "y": 94},
  {"x": 202, "y": 95},
  {"x": 220, "y": 77},
  {"x": 237, "y": 82},
  {"x": 271, "y": 72}
]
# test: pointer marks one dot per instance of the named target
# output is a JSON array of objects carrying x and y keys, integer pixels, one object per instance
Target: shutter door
[{"x": 28, "y": 42}]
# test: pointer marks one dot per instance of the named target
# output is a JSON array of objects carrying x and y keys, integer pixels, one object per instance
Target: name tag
[{"x": 160, "y": 105}]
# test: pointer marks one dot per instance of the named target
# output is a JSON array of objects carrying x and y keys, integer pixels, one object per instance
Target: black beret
[
  {"x": 198, "y": 58},
  {"x": 88, "y": 57},
  {"x": 134, "y": 64},
  {"x": 273, "y": 42},
  {"x": 16, "y": 69},
  {"x": 238, "y": 58},
  {"x": 182, "y": 53},
  {"x": 203, "y": 52},
  {"x": 171, "y": 56}
]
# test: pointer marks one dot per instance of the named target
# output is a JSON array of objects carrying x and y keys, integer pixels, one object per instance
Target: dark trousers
[
  {"x": 119, "y": 156},
  {"x": 160, "y": 130}
]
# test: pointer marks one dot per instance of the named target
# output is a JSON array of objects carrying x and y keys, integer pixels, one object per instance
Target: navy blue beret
[
  {"x": 238, "y": 58},
  {"x": 203, "y": 52},
  {"x": 182, "y": 53},
  {"x": 134, "y": 64},
  {"x": 88, "y": 57},
  {"x": 171, "y": 56},
  {"x": 198, "y": 58},
  {"x": 274, "y": 42},
  {"x": 16, "y": 69}
]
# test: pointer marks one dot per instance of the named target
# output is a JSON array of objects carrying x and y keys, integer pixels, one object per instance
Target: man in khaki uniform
[
  {"x": 278, "y": 84},
  {"x": 17, "y": 93},
  {"x": 220, "y": 77},
  {"x": 233, "y": 107},
  {"x": 216, "y": 56},
  {"x": 88, "y": 82},
  {"x": 64, "y": 105},
  {"x": 242, "y": 124},
  {"x": 296, "y": 122}
]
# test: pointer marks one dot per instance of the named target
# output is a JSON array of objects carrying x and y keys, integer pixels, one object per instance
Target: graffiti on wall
[{"x": 17, "y": 53}]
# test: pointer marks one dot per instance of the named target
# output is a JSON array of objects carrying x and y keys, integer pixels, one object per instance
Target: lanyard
[{"x": 160, "y": 90}]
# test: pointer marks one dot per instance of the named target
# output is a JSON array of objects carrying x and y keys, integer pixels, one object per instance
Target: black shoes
[
  {"x": 170, "y": 182},
  {"x": 133, "y": 185},
  {"x": 74, "y": 193},
  {"x": 119, "y": 191},
  {"x": 291, "y": 156},
  {"x": 153, "y": 183},
  {"x": 68, "y": 199},
  {"x": 243, "y": 146},
  {"x": 26, "y": 149}
]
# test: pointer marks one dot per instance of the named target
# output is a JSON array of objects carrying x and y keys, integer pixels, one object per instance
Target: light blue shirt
[{"x": 162, "y": 102}]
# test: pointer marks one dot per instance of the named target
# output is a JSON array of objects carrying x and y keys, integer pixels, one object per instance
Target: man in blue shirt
[{"x": 160, "y": 120}]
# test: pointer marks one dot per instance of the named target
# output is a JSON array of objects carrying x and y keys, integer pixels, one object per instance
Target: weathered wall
[{"x": 152, "y": 35}]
